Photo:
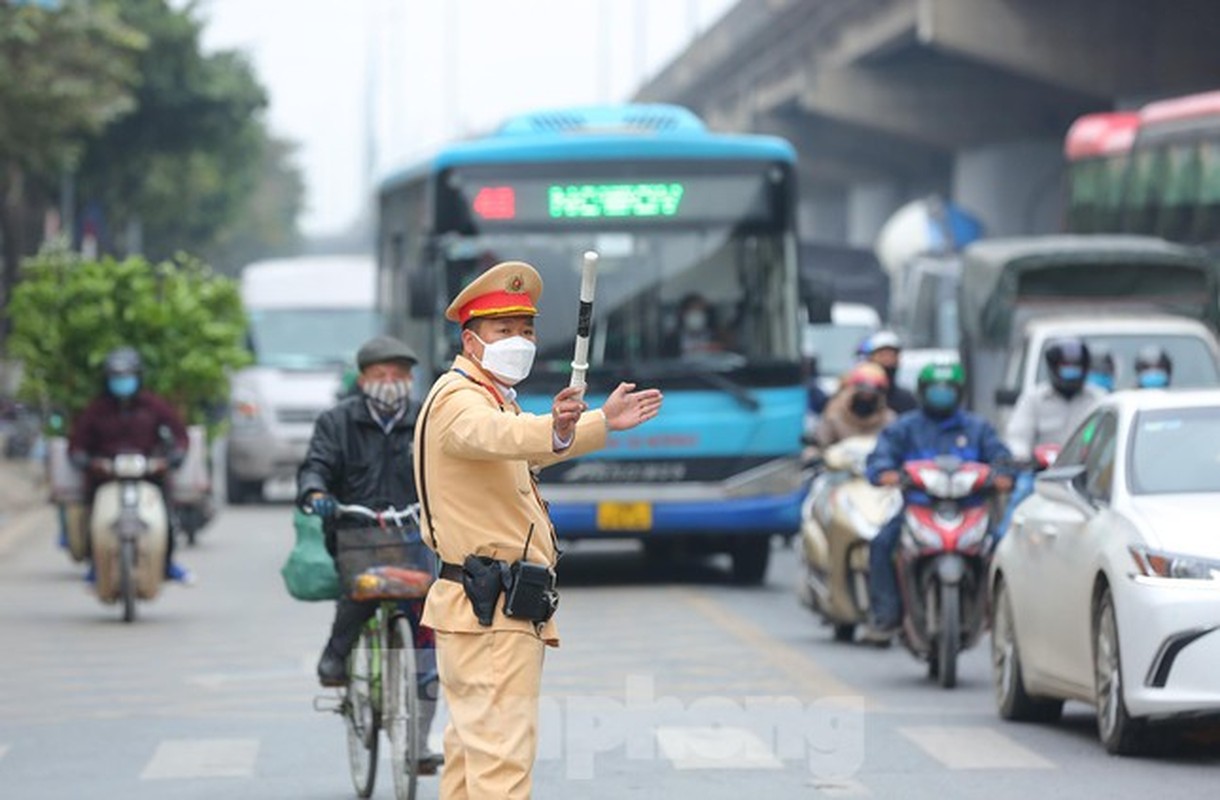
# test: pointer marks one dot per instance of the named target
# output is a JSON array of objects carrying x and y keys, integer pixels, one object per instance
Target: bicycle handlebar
[{"x": 392, "y": 516}]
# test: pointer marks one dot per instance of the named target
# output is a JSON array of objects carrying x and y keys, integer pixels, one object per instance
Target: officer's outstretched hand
[
  {"x": 566, "y": 409},
  {"x": 625, "y": 408}
]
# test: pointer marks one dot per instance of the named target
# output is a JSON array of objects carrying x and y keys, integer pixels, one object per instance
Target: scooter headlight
[
  {"x": 921, "y": 534},
  {"x": 974, "y": 535}
]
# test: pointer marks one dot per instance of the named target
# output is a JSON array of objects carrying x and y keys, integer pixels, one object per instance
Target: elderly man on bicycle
[{"x": 360, "y": 453}]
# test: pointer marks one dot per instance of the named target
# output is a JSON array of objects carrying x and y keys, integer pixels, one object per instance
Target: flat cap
[
  {"x": 381, "y": 349},
  {"x": 509, "y": 289}
]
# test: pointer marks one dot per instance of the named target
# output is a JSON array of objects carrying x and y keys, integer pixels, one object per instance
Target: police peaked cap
[{"x": 381, "y": 349}]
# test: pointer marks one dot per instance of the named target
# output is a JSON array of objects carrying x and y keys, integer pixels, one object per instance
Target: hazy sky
[{"x": 437, "y": 69}]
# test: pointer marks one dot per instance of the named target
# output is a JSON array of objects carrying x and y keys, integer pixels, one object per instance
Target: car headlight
[
  {"x": 1157, "y": 564},
  {"x": 245, "y": 413}
]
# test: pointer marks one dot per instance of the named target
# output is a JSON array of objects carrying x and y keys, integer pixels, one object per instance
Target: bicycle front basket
[{"x": 363, "y": 550}]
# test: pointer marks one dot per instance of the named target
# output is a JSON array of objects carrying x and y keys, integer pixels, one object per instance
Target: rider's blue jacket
[{"x": 916, "y": 436}]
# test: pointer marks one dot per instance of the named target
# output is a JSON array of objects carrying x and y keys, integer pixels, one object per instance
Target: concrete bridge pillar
[
  {"x": 869, "y": 205},
  {"x": 1015, "y": 188},
  {"x": 822, "y": 214}
]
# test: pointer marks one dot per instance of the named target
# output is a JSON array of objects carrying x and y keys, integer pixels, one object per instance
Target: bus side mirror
[{"x": 421, "y": 294}]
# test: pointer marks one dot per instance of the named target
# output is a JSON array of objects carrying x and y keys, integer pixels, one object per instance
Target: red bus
[
  {"x": 1155, "y": 171},
  {"x": 1097, "y": 148}
]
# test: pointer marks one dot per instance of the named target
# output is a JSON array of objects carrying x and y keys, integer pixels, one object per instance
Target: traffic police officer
[{"x": 474, "y": 454}]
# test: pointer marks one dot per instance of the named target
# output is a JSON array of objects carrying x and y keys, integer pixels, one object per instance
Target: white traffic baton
[{"x": 588, "y": 287}]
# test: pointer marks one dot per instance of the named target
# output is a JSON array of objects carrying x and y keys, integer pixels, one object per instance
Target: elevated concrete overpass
[{"x": 887, "y": 100}]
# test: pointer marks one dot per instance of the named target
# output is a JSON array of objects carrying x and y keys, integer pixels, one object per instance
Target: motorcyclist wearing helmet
[
  {"x": 1101, "y": 369},
  {"x": 884, "y": 349},
  {"x": 858, "y": 408},
  {"x": 1049, "y": 412},
  {"x": 1153, "y": 368},
  {"x": 128, "y": 418},
  {"x": 939, "y": 427}
]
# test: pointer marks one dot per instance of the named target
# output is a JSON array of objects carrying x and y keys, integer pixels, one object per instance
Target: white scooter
[
  {"x": 129, "y": 531},
  {"x": 839, "y": 519}
]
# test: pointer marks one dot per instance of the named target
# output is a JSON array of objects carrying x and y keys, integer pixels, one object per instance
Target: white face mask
[{"x": 509, "y": 360}]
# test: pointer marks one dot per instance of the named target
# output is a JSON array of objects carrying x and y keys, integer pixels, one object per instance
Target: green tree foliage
[
  {"x": 186, "y": 166},
  {"x": 186, "y": 322}
]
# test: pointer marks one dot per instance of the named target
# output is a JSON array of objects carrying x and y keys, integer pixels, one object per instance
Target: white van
[{"x": 307, "y": 316}]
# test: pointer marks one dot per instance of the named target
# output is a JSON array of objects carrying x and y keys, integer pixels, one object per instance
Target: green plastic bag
[{"x": 309, "y": 573}]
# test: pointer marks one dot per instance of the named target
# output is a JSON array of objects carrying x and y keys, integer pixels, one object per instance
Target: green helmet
[{"x": 941, "y": 387}]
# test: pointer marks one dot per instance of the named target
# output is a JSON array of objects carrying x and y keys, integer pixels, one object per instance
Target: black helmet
[
  {"x": 1068, "y": 362},
  {"x": 1153, "y": 369},
  {"x": 123, "y": 361}
]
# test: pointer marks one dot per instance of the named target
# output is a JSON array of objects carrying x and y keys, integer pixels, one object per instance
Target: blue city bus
[{"x": 696, "y": 295}]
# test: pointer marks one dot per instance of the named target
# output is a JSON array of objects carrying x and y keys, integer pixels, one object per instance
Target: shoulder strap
[{"x": 423, "y": 463}]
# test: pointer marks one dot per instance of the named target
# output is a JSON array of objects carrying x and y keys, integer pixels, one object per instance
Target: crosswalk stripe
[
  {"x": 841, "y": 787},
  {"x": 974, "y": 748},
  {"x": 715, "y": 748},
  {"x": 202, "y": 758}
]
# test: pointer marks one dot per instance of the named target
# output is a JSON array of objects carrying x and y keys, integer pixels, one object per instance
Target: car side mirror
[
  {"x": 1061, "y": 484},
  {"x": 1045, "y": 455},
  {"x": 1007, "y": 396}
]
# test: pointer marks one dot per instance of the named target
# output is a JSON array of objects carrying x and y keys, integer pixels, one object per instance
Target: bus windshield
[{"x": 710, "y": 296}]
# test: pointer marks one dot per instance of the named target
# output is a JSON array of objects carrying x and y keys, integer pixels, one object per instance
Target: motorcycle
[
  {"x": 839, "y": 519},
  {"x": 942, "y": 560},
  {"x": 129, "y": 531}
]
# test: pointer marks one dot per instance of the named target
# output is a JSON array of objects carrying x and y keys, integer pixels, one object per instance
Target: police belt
[{"x": 451, "y": 572}]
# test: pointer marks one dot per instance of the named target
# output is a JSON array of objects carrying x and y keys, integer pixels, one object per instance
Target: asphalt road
[{"x": 670, "y": 683}]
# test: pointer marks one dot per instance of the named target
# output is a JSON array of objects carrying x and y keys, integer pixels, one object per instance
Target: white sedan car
[{"x": 1107, "y": 587}]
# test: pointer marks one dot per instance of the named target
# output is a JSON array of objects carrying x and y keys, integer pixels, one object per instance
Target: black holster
[
  {"x": 484, "y": 579},
  {"x": 530, "y": 593}
]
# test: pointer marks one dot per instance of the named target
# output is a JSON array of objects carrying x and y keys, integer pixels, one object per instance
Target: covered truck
[{"x": 1007, "y": 282}]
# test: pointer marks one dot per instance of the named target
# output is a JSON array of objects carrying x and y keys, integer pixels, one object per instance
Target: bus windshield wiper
[{"x": 709, "y": 372}]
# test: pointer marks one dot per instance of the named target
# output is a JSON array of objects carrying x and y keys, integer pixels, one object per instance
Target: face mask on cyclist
[
  {"x": 1101, "y": 380},
  {"x": 865, "y": 404},
  {"x": 941, "y": 399},
  {"x": 123, "y": 385},
  {"x": 509, "y": 360},
  {"x": 387, "y": 397},
  {"x": 1153, "y": 379}
]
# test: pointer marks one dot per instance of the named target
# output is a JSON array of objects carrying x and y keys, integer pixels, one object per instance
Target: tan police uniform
[{"x": 473, "y": 457}]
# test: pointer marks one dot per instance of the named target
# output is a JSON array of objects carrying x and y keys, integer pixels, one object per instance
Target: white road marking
[
  {"x": 974, "y": 748},
  {"x": 841, "y": 787},
  {"x": 3, "y": 750},
  {"x": 715, "y": 748},
  {"x": 202, "y": 758}
]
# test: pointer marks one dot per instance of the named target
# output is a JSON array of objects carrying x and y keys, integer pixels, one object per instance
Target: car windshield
[
  {"x": 310, "y": 338},
  {"x": 834, "y": 345},
  {"x": 1193, "y": 363},
  {"x": 1175, "y": 451}
]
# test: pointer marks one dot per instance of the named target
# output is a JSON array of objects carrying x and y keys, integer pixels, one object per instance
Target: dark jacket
[
  {"x": 108, "y": 427},
  {"x": 916, "y": 436},
  {"x": 900, "y": 400},
  {"x": 352, "y": 457}
]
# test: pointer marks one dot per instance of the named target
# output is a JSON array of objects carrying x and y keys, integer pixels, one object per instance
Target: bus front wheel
[{"x": 750, "y": 558}]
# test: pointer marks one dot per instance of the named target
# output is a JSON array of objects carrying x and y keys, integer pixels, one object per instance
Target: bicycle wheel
[
  {"x": 401, "y": 707},
  {"x": 361, "y": 717}
]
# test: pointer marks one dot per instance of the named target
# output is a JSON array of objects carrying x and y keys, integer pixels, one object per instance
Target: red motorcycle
[{"x": 942, "y": 560}]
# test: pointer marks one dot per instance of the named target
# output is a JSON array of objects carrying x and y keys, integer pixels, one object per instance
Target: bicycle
[{"x": 383, "y": 689}]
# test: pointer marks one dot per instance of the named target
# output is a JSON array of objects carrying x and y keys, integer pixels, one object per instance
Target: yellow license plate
[{"x": 624, "y": 516}]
